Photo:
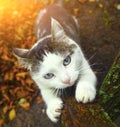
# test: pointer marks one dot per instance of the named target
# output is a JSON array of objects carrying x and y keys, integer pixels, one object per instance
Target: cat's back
[{"x": 68, "y": 22}]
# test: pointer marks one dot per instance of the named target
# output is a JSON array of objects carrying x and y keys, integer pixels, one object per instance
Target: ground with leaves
[{"x": 99, "y": 34}]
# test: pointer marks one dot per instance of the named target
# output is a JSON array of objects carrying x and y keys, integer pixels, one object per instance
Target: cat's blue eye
[
  {"x": 49, "y": 76},
  {"x": 67, "y": 61}
]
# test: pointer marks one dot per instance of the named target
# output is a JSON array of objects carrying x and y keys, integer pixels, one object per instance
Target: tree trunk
[
  {"x": 84, "y": 115},
  {"x": 110, "y": 90}
]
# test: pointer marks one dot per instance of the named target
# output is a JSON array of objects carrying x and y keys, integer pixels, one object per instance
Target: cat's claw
[
  {"x": 54, "y": 109},
  {"x": 85, "y": 92}
]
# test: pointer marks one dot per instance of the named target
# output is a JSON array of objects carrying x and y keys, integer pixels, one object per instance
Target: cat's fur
[{"x": 56, "y": 61}]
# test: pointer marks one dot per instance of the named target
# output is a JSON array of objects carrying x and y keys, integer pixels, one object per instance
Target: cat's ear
[
  {"x": 22, "y": 56},
  {"x": 57, "y": 30}
]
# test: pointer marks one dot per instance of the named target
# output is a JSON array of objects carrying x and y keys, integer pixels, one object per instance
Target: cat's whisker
[
  {"x": 62, "y": 92},
  {"x": 59, "y": 91},
  {"x": 82, "y": 69},
  {"x": 96, "y": 71},
  {"x": 56, "y": 92},
  {"x": 92, "y": 57},
  {"x": 93, "y": 64}
]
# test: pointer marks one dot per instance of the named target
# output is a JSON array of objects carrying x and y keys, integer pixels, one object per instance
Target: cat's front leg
[
  {"x": 54, "y": 104},
  {"x": 85, "y": 92},
  {"x": 86, "y": 87}
]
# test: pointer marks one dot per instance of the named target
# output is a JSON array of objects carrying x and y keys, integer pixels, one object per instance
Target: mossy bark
[
  {"x": 110, "y": 90},
  {"x": 74, "y": 115},
  {"x": 85, "y": 115}
]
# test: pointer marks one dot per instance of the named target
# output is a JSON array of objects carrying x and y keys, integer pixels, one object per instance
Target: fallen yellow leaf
[
  {"x": 25, "y": 105},
  {"x": 12, "y": 114},
  {"x": 29, "y": 81},
  {"x": 22, "y": 74}
]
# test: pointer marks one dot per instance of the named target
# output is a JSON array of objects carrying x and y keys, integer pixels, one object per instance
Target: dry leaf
[
  {"x": 92, "y": 0},
  {"x": 6, "y": 97},
  {"x": 1, "y": 122},
  {"x": 5, "y": 109},
  {"x": 22, "y": 94},
  {"x": 12, "y": 114},
  {"x": 29, "y": 81},
  {"x": 25, "y": 105},
  {"x": 21, "y": 74},
  {"x": 16, "y": 32},
  {"x": 39, "y": 100},
  {"x": 100, "y": 5},
  {"x": 30, "y": 89},
  {"x": 90, "y": 11},
  {"x": 82, "y": 1},
  {"x": 76, "y": 11}
]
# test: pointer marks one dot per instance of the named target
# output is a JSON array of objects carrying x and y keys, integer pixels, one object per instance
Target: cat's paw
[
  {"x": 85, "y": 92},
  {"x": 54, "y": 109}
]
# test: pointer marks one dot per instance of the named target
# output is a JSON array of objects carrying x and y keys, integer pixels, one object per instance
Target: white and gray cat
[{"x": 56, "y": 61}]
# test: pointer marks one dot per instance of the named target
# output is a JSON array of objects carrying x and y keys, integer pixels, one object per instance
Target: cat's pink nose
[{"x": 67, "y": 81}]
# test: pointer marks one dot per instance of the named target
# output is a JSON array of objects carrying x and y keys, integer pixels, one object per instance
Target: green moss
[
  {"x": 107, "y": 18},
  {"x": 116, "y": 87},
  {"x": 92, "y": 111},
  {"x": 113, "y": 75},
  {"x": 101, "y": 92},
  {"x": 110, "y": 94}
]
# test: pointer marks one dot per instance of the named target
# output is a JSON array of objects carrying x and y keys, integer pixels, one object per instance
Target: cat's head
[{"x": 54, "y": 60}]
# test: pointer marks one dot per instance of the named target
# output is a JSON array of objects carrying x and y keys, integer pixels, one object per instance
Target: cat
[{"x": 56, "y": 60}]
